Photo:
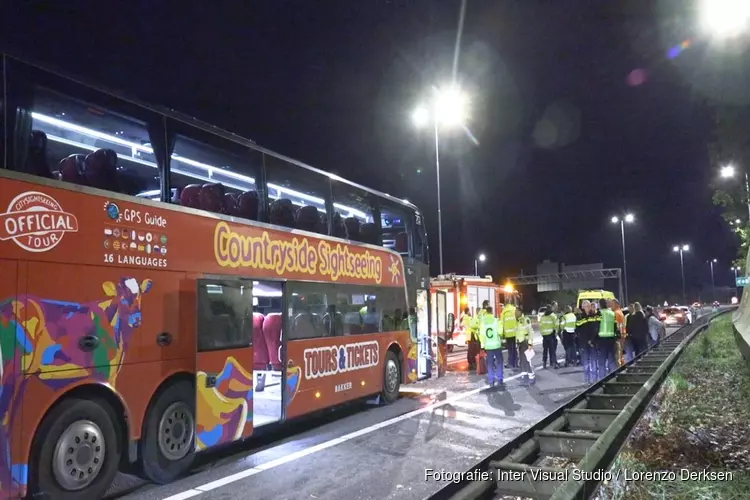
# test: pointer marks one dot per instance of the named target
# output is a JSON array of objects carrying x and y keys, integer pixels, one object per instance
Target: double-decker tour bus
[
  {"x": 452, "y": 294},
  {"x": 167, "y": 287}
]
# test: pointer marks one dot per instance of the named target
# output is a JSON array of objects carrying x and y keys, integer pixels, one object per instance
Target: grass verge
[{"x": 698, "y": 422}]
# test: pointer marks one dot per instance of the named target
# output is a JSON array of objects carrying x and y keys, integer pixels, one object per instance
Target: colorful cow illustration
[
  {"x": 224, "y": 410},
  {"x": 62, "y": 342}
]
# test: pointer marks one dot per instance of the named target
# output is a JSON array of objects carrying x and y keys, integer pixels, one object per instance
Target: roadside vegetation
[{"x": 699, "y": 421}]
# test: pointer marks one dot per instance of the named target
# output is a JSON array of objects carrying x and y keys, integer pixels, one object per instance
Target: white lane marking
[{"x": 323, "y": 446}]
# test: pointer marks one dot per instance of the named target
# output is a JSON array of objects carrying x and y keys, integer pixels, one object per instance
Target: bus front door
[
  {"x": 440, "y": 332},
  {"x": 224, "y": 362}
]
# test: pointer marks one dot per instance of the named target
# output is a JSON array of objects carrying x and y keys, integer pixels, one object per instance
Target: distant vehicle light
[{"x": 734, "y": 300}]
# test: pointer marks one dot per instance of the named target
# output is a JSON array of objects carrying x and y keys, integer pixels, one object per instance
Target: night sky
[{"x": 565, "y": 139}]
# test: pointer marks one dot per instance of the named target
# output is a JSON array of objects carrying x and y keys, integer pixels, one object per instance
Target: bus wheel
[
  {"x": 391, "y": 378},
  {"x": 76, "y": 451},
  {"x": 167, "y": 443}
]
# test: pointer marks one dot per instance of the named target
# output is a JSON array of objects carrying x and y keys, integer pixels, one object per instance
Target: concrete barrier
[{"x": 741, "y": 320}]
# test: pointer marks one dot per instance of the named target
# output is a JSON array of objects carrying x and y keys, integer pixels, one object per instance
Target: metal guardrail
[{"x": 587, "y": 431}]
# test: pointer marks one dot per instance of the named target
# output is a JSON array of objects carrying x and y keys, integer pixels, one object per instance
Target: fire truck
[{"x": 452, "y": 293}]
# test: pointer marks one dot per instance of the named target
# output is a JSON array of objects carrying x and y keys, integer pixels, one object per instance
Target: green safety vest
[
  {"x": 607, "y": 323},
  {"x": 524, "y": 331},
  {"x": 547, "y": 324},
  {"x": 570, "y": 322},
  {"x": 510, "y": 323},
  {"x": 490, "y": 333}
]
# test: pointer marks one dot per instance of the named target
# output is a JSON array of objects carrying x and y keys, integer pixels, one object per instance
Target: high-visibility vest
[
  {"x": 524, "y": 331},
  {"x": 510, "y": 323},
  {"x": 547, "y": 324},
  {"x": 490, "y": 333},
  {"x": 607, "y": 323},
  {"x": 570, "y": 322}
]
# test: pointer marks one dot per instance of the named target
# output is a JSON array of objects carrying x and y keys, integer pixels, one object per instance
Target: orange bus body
[{"x": 98, "y": 300}]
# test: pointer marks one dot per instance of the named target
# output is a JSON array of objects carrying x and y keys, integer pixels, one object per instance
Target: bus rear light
[
  {"x": 363, "y": 383},
  {"x": 317, "y": 394}
]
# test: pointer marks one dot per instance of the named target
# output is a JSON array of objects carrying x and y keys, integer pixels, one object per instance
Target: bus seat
[
  {"x": 212, "y": 197},
  {"x": 333, "y": 324},
  {"x": 260, "y": 350},
  {"x": 100, "y": 170},
  {"x": 229, "y": 205},
  {"x": 339, "y": 230},
  {"x": 304, "y": 326},
  {"x": 247, "y": 205},
  {"x": 282, "y": 213},
  {"x": 190, "y": 196},
  {"x": 272, "y": 334},
  {"x": 36, "y": 161},
  {"x": 402, "y": 243},
  {"x": 369, "y": 233},
  {"x": 352, "y": 228},
  {"x": 175, "y": 198},
  {"x": 70, "y": 169},
  {"x": 308, "y": 219}
]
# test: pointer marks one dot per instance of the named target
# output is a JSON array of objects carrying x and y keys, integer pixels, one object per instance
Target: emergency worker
[
  {"x": 587, "y": 330},
  {"x": 474, "y": 345},
  {"x": 620, "y": 326},
  {"x": 607, "y": 340},
  {"x": 465, "y": 325},
  {"x": 569, "y": 335},
  {"x": 547, "y": 325},
  {"x": 510, "y": 326},
  {"x": 491, "y": 339},
  {"x": 524, "y": 335}
]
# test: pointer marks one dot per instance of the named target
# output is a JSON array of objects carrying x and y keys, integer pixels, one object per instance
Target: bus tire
[
  {"x": 391, "y": 378},
  {"x": 167, "y": 444},
  {"x": 76, "y": 451}
]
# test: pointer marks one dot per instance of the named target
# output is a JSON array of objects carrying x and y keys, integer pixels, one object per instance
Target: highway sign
[{"x": 743, "y": 280}]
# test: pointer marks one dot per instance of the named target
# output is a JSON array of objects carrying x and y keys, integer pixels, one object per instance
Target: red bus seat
[
  {"x": 247, "y": 205},
  {"x": 212, "y": 197},
  {"x": 100, "y": 170},
  {"x": 190, "y": 196},
  {"x": 352, "y": 228},
  {"x": 260, "y": 350},
  {"x": 229, "y": 205},
  {"x": 401, "y": 243},
  {"x": 308, "y": 219},
  {"x": 272, "y": 334},
  {"x": 282, "y": 213},
  {"x": 70, "y": 169}
]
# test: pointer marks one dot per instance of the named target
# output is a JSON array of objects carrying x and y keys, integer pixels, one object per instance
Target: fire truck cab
[{"x": 451, "y": 294}]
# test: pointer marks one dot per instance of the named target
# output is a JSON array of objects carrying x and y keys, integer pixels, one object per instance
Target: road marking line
[{"x": 323, "y": 446}]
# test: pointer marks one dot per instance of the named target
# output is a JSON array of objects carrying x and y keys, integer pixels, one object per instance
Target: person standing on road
[
  {"x": 586, "y": 331},
  {"x": 637, "y": 327},
  {"x": 510, "y": 326},
  {"x": 607, "y": 339},
  {"x": 491, "y": 339},
  {"x": 547, "y": 325},
  {"x": 655, "y": 326},
  {"x": 569, "y": 336},
  {"x": 524, "y": 336},
  {"x": 474, "y": 346},
  {"x": 619, "y": 327}
]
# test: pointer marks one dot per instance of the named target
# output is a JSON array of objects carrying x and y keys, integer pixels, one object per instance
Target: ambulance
[{"x": 450, "y": 294}]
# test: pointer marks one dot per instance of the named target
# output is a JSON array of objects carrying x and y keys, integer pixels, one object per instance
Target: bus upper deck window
[
  {"x": 84, "y": 144},
  {"x": 353, "y": 216},
  {"x": 395, "y": 221},
  {"x": 296, "y": 195},
  {"x": 218, "y": 177}
]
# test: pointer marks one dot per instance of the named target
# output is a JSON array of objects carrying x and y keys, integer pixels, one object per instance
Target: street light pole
[
  {"x": 449, "y": 106},
  {"x": 713, "y": 284},
  {"x": 622, "y": 220},
  {"x": 440, "y": 211},
  {"x": 735, "y": 269},
  {"x": 681, "y": 249}
]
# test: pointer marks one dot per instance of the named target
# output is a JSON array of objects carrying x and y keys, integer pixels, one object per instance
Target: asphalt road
[{"x": 375, "y": 452}]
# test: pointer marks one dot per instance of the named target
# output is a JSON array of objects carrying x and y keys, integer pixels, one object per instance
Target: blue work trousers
[{"x": 494, "y": 365}]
